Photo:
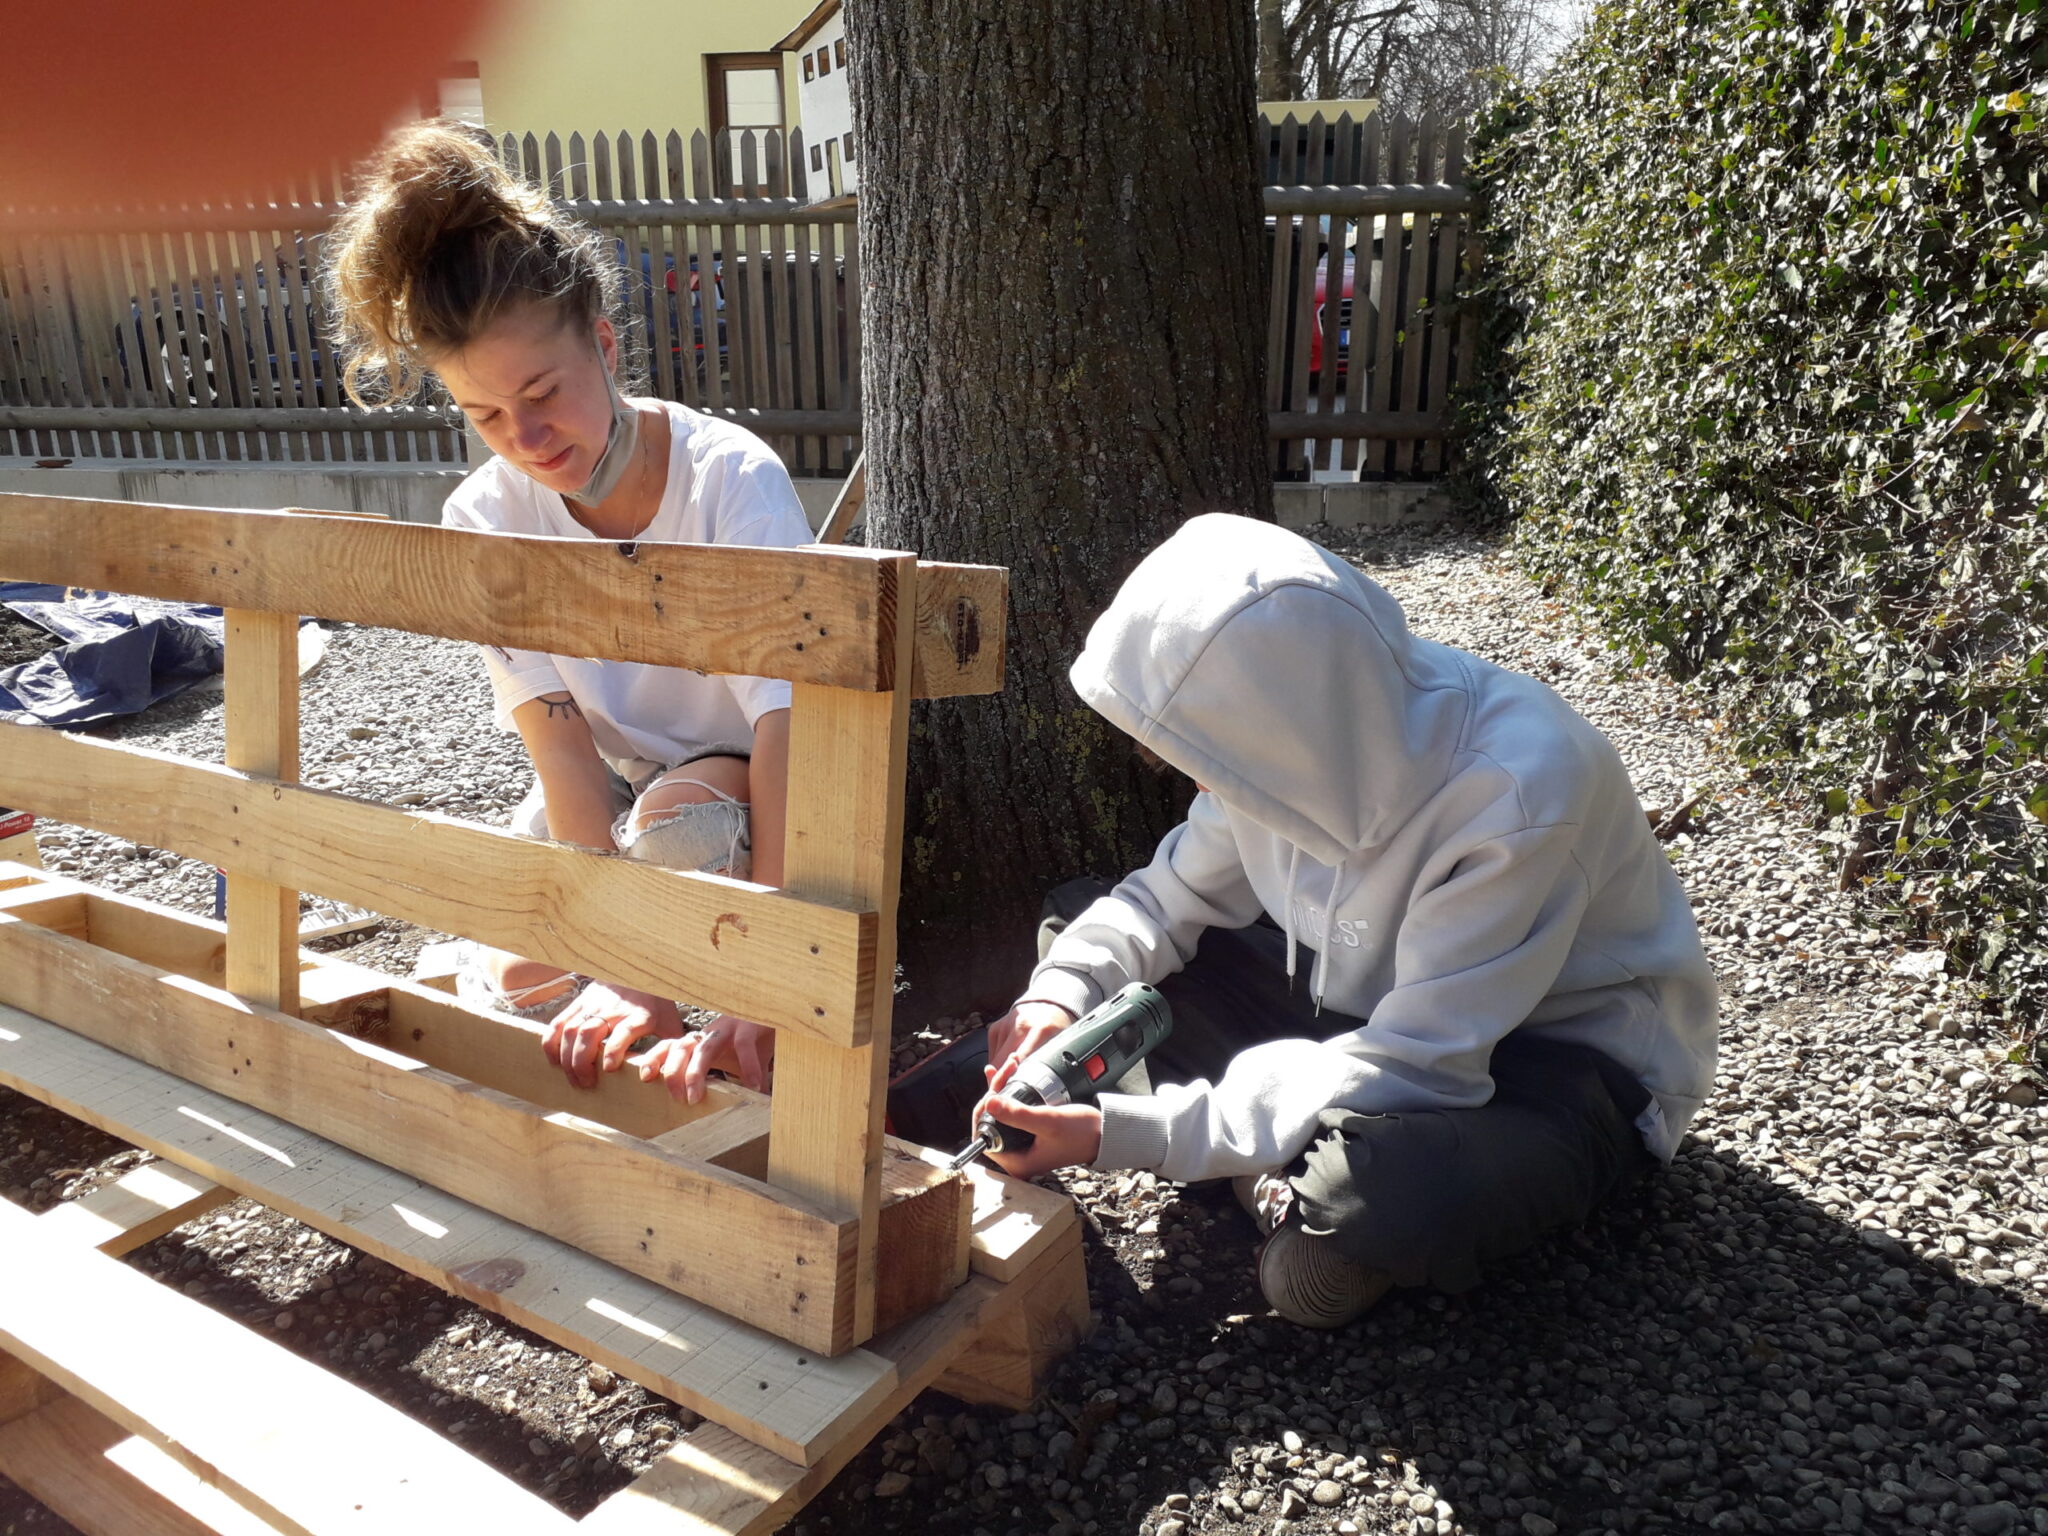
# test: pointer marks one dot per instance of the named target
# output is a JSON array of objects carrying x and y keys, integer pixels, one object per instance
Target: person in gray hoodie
[{"x": 1506, "y": 1013}]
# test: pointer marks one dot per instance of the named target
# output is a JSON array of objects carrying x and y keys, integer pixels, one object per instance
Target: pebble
[
  {"x": 1327, "y": 1492},
  {"x": 890, "y": 1484},
  {"x": 1536, "y": 1525}
]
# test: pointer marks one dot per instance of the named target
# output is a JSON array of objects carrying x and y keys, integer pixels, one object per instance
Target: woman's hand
[
  {"x": 594, "y": 1032},
  {"x": 1018, "y": 1033},
  {"x": 726, "y": 1043},
  {"x": 1068, "y": 1134}
]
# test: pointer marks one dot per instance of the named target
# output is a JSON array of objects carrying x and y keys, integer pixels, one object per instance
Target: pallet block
[{"x": 774, "y": 1264}]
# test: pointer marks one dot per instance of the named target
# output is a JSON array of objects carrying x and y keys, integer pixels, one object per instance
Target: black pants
[{"x": 1424, "y": 1195}]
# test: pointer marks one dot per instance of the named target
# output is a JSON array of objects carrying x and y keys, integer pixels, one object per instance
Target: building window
[
  {"x": 846, "y": 149},
  {"x": 745, "y": 95},
  {"x": 824, "y": 61},
  {"x": 746, "y": 90},
  {"x": 817, "y": 157},
  {"x": 839, "y": 52},
  {"x": 810, "y": 68}
]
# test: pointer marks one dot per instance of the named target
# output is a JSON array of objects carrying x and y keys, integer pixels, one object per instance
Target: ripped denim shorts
[{"x": 711, "y": 837}]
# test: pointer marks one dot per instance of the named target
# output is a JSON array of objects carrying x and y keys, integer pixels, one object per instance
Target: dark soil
[{"x": 22, "y": 641}]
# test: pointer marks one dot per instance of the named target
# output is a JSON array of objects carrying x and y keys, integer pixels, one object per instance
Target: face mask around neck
[{"x": 620, "y": 442}]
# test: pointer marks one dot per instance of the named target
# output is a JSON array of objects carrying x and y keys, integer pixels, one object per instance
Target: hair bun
[{"x": 439, "y": 241}]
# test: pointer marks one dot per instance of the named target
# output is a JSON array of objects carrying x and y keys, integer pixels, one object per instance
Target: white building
[{"x": 831, "y": 158}]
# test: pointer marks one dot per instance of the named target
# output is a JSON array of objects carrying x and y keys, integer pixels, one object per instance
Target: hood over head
[{"x": 1275, "y": 674}]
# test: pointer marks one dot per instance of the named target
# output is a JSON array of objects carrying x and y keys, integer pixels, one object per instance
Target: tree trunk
[
  {"x": 1275, "y": 64},
  {"x": 1063, "y": 359}
]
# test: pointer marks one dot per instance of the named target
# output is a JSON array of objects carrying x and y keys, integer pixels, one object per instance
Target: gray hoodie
[{"x": 1463, "y": 854}]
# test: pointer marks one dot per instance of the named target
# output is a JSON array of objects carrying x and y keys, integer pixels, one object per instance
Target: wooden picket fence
[
  {"x": 1381, "y": 204},
  {"x": 194, "y": 334}
]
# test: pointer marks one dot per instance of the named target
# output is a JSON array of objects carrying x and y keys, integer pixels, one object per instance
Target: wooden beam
[
  {"x": 413, "y": 1019},
  {"x": 262, "y": 676},
  {"x": 769, "y": 1257},
  {"x": 847, "y": 753},
  {"x": 308, "y": 217},
  {"x": 714, "y": 1483},
  {"x": 137, "y": 1208},
  {"x": 962, "y": 629},
  {"x": 1014, "y": 1222},
  {"x": 208, "y": 1391},
  {"x": 679, "y": 1348},
  {"x": 924, "y": 1224},
  {"x": 94, "y": 1474},
  {"x": 799, "y": 965},
  {"x": 810, "y": 615},
  {"x": 1389, "y": 426},
  {"x": 853, "y": 495},
  {"x": 22, "y": 1390},
  {"x": 47, "y": 907},
  {"x": 492, "y": 1049},
  {"x": 1007, "y": 1365},
  {"x": 924, "y": 1217}
]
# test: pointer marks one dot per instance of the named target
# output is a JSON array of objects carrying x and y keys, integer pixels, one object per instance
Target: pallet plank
[
  {"x": 767, "y": 955},
  {"x": 262, "y": 678},
  {"x": 761, "y": 1252},
  {"x": 137, "y": 1208},
  {"x": 412, "y": 1018},
  {"x": 810, "y": 615},
  {"x": 107, "y": 1482},
  {"x": 713, "y": 1483},
  {"x": 671, "y": 1345},
  {"x": 207, "y": 1390},
  {"x": 847, "y": 753}
]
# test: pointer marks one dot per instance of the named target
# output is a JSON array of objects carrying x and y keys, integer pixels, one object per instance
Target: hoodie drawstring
[
  {"x": 1319, "y": 970},
  {"x": 1287, "y": 913},
  {"x": 1316, "y": 976}
]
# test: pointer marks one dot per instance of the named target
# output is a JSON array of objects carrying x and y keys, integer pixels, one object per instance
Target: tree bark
[
  {"x": 1275, "y": 56},
  {"x": 1063, "y": 359}
]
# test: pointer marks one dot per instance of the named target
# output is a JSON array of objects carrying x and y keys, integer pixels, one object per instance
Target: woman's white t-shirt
[{"x": 724, "y": 487}]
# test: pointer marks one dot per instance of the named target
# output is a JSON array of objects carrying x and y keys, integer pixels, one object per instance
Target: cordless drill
[{"x": 1088, "y": 1057}]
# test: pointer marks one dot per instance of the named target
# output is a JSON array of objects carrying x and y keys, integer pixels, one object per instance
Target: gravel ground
[{"x": 1828, "y": 1315}]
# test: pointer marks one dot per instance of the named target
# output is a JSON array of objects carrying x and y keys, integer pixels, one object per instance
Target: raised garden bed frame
[{"x": 775, "y": 1264}]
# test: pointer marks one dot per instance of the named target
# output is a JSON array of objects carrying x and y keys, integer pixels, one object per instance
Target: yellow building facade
[{"x": 584, "y": 66}]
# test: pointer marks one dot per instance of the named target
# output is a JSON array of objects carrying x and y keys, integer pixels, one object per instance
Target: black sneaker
[
  {"x": 931, "y": 1102},
  {"x": 1307, "y": 1281}
]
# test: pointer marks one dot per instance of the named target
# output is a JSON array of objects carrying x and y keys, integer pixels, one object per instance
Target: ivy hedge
[{"x": 1764, "y": 332}]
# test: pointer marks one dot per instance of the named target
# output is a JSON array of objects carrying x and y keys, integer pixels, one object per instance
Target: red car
[{"x": 1344, "y": 301}]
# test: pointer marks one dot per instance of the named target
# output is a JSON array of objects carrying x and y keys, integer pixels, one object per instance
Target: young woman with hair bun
[{"x": 447, "y": 268}]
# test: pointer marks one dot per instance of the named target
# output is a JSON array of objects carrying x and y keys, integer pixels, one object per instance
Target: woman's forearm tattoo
[{"x": 560, "y": 705}]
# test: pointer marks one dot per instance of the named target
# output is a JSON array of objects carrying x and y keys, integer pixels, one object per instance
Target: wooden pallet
[{"x": 774, "y": 1264}]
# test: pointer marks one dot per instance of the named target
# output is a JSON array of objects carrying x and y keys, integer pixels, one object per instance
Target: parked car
[
  {"x": 1347, "y": 313},
  {"x": 687, "y": 352},
  {"x": 168, "y": 339}
]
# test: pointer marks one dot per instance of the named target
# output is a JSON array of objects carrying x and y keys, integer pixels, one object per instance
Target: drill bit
[{"x": 968, "y": 1153}]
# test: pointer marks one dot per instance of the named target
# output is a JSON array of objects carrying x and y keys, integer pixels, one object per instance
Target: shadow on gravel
[{"x": 1715, "y": 1354}]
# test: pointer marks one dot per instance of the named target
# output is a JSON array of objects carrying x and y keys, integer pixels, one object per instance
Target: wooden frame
[{"x": 688, "y": 1247}]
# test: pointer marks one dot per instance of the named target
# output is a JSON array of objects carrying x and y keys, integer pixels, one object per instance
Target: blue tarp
[{"x": 121, "y": 654}]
